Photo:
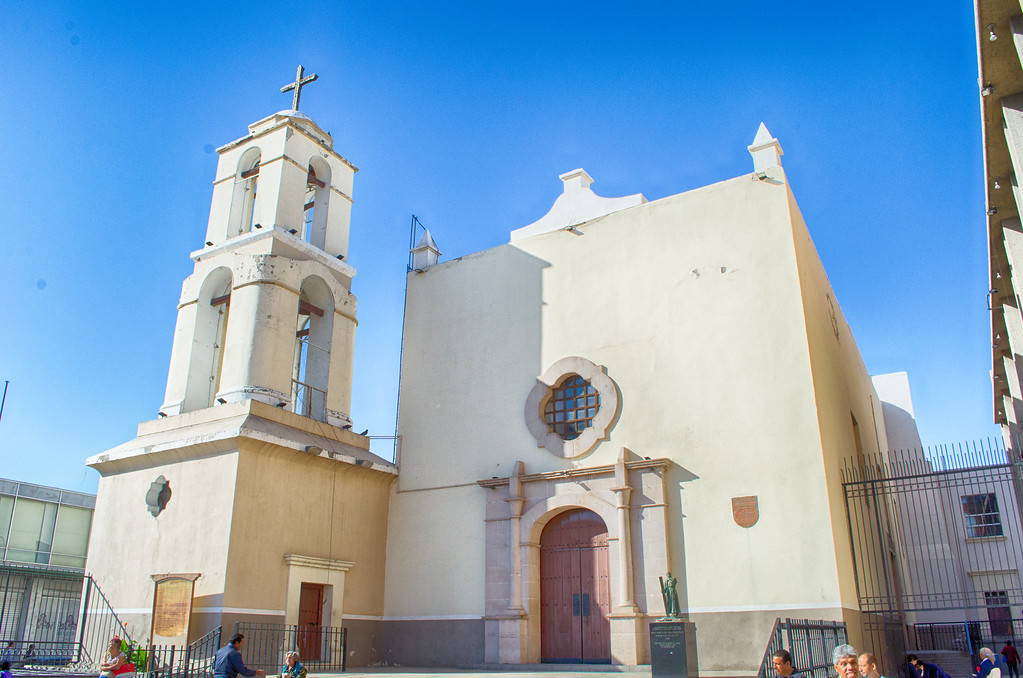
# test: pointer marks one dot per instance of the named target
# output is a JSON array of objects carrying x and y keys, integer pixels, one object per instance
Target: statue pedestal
[{"x": 669, "y": 657}]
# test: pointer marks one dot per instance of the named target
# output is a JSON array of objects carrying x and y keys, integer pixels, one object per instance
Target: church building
[{"x": 626, "y": 389}]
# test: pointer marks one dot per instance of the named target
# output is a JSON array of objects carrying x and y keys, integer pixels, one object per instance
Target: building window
[
  {"x": 980, "y": 511},
  {"x": 313, "y": 334},
  {"x": 999, "y": 614},
  {"x": 572, "y": 406},
  {"x": 210, "y": 336}
]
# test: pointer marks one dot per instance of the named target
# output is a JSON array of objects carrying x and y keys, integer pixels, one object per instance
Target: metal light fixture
[
  {"x": 987, "y": 90},
  {"x": 997, "y": 184},
  {"x": 221, "y": 401},
  {"x": 992, "y": 212},
  {"x": 209, "y": 243},
  {"x": 292, "y": 231},
  {"x": 991, "y": 33}
]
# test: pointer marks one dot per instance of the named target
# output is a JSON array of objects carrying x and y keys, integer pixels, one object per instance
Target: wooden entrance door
[
  {"x": 575, "y": 597},
  {"x": 310, "y": 618}
]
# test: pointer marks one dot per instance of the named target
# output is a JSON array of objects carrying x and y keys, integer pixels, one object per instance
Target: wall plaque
[
  {"x": 172, "y": 608},
  {"x": 745, "y": 511}
]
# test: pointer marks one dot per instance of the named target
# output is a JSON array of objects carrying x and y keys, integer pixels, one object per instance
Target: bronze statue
[{"x": 670, "y": 597}]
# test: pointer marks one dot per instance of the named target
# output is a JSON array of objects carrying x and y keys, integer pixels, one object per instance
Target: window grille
[
  {"x": 980, "y": 511},
  {"x": 572, "y": 406}
]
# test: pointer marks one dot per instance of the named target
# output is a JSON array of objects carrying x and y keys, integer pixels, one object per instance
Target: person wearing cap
[
  {"x": 113, "y": 659},
  {"x": 292, "y": 669}
]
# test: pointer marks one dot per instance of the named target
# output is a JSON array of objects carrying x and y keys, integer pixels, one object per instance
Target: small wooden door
[
  {"x": 575, "y": 595},
  {"x": 310, "y": 618}
]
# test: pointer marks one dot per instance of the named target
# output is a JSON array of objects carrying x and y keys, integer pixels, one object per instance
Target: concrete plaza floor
[{"x": 519, "y": 671}]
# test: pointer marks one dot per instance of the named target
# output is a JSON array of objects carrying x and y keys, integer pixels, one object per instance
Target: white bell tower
[{"x": 268, "y": 313}]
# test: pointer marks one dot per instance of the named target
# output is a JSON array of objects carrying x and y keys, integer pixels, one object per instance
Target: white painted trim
[
  {"x": 768, "y": 607},
  {"x": 440, "y": 617},
  {"x": 362, "y": 617},
  {"x": 237, "y": 610},
  {"x": 991, "y": 573}
]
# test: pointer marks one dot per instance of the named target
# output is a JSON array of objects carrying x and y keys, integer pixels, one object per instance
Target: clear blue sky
[{"x": 465, "y": 114}]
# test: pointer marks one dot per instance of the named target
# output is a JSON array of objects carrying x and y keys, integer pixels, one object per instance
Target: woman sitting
[
  {"x": 292, "y": 669},
  {"x": 113, "y": 660}
]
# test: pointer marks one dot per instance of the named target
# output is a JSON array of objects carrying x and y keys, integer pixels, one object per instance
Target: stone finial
[
  {"x": 765, "y": 149},
  {"x": 576, "y": 179},
  {"x": 425, "y": 254},
  {"x": 577, "y": 204}
]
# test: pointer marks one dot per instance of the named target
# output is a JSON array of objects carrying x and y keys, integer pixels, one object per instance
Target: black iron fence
[
  {"x": 98, "y": 625},
  {"x": 809, "y": 641},
  {"x": 936, "y": 531},
  {"x": 320, "y": 648},
  {"x": 194, "y": 660},
  {"x": 964, "y": 636},
  {"x": 39, "y": 605},
  {"x": 28, "y": 653}
]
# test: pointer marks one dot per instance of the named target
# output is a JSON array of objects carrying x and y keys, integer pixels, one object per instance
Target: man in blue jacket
[{"x": 228, "y": 661}]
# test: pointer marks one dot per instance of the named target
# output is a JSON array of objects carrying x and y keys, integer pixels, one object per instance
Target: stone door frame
[{"x": 628, "y": 496}]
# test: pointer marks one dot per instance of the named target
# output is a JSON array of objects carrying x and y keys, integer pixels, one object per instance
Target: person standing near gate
[
  {"x": 844, "y": 659},
  {"x": 868, "y": 666},
  {"x": 227, "y": 663},
  {"x": 987, "y": 664},
  {"x": 924, "y": 669},
  {"x": 1011, "y": 658},
  {"x": 782, "y": 661}
]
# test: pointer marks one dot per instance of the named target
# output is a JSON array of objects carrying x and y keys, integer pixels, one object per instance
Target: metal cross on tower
[{"x": 297, "y": 86}]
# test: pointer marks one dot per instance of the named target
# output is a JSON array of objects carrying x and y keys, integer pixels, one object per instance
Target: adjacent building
[{"x": 44, "y": 537}]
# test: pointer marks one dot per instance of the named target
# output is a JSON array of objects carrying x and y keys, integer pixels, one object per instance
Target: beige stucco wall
[
  {"x": 695, "y": 305},
  {"x": 128, "y": 545},
  {"x": 842, "y": 390},
  {"x": 246, "y": 494}
]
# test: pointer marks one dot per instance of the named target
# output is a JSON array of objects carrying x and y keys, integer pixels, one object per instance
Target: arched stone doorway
[{"x": 575, "y": 598}]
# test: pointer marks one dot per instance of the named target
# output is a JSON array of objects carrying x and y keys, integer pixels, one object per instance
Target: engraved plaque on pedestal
[{"x": 668, "y": 650}]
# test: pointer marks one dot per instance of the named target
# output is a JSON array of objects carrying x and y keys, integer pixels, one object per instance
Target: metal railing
[
  {"x": 917, "y": 535},
  {"x": 809, "y": 641},
  {"x": 26, "y": 653},
  {"x": 320, "y": 648},
  {"x": 98, "y": 625},
  {"x": 195, "y": 660},
  {"x": 964, "y": 636},
  {"x": 308, "y": 400}
]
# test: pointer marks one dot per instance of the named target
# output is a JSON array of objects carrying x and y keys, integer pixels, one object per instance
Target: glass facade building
[{"x": 44, "y": 536}]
